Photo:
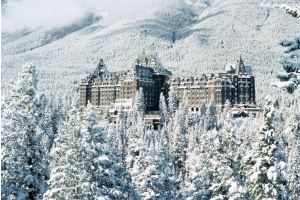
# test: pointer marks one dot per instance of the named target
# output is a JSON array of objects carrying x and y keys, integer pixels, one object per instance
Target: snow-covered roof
[
  {"x": 248, "y": 69},
  {"x": 231, "y": 68}
]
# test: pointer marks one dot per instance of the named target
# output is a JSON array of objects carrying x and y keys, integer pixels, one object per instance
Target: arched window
[
  {"x": 197, "y": 109},
  {"x": 192, "y": 109}
]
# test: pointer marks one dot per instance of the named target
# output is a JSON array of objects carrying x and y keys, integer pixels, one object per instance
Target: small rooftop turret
[
  {"x": 241, "y": 67},
  {"x": 101, "y": 69}
]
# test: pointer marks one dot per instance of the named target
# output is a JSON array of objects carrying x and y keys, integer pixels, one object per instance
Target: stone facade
[
  {"x": 108, "y": 91},
  {"x": 237, "y": 85}
]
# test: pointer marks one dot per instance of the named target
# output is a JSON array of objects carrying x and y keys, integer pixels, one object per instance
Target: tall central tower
[{"x": 101, "y": 69}]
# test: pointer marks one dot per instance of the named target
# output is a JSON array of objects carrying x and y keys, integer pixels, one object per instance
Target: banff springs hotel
[{"x": 110, "y": 91}]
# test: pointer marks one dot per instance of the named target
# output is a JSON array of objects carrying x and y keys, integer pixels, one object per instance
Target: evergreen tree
[
  {"x": 166, "y": 159},
  {"x": 56, "y": 116},
  {"x": 139, "y": 102},
  {"x": 172, "y": 102},
  {"x": 228, "y": 177},
  {"x": 289, "y": 80},
  {"x": 156, "y": 180},
  {"x": 293, "y": 132},
  {"x": 203, "y": 109},
  {"x": 85, "y": 166},
  {"x": 294, "y": 169},
  {"x": 103, "y": 174},
  {"x": 112, "y": 135},
  {"x": 180, "y": 140},
  {"x": 136, "y": 114},
  {"x": 265, "y": 171},
  {"x": 120, "y": 134},
  {"x": 136, "y": 145},
  {"x": 24, "y": 158},
  {"x": 164, "y": 147},
  {"x": 163, "y": 112},
  {"x": 134, "y": 127},
  {"x": 136, "y": 152},
  {"x": 225, "y": 114},
  {"x": 151, "y": 168},
  {"x": 211, "y": 115},
  {"x": 65, "y": 173},
  {"x": 199, "y": 173}
]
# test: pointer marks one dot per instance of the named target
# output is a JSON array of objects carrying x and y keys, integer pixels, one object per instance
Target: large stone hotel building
[{"x": 109, "y": 91}]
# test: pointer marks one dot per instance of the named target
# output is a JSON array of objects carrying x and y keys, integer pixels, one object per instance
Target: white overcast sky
[{"x": 55, "y": 13}]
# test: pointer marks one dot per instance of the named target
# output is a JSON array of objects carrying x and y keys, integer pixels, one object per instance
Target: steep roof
[{"x": 241, "y": 67}]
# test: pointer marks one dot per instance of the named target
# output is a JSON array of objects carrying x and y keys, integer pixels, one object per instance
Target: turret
[
  {"x": 241, "y": 67},
  {"x": 101, "y": 69}
]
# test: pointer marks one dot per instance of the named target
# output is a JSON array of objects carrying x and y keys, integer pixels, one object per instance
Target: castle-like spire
[
  {"x": 101, "y": 69},
  {"x": 241, "y": 67}
]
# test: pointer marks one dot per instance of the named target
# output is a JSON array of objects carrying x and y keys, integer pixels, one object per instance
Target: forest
[{"x": 50, "y": 151}]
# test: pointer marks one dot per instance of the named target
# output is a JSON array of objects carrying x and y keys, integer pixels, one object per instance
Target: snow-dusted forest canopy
[
  {"x": 290, "y": 79},
  {"x": 52, "y": 150}
]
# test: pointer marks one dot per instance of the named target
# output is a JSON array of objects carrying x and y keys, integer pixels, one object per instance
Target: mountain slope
[{"x": 196, "y": 36}]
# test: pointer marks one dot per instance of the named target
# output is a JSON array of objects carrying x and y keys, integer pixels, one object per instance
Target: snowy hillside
[
  {"x": 53, "y": 149},
  {"x": 195, "y": 35}
]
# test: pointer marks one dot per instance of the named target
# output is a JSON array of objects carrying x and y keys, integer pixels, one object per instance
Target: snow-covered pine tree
[
  {"x": 121, "y": 134},
  {"x": 56, "y": 115},
  {"x": 137, "y": 150},
  {"x": 171, "y": 110},
  {"x": 199, "y": 173},
  {"x": 290, "y": 79},
  {"x": 85, "y": 166},
  {"x": 225, "y": 113},
  {"x": 24, "y": 159},
  {"x": 151, "y": 168},
  {"x": 228, "y": 177},
  {"x": 202, "y": 115},
  {"x": 46, "y": 131},
  {"x": 264, "y": 169},
  {"x": 180, "y": 139},
  {"x": 134, "y": 126},
  {"x": 202, "y": 109},
  {"x": 112, "y": 135},
  {"x": 290, "y": 126},
  {"x": 143, "y": 162},
  {"x": 292, "y": 131},
  {"x": 139, "y": 102},
  {"x": 163, "y": 112},
  {"x": 156, "y": 180},
  {"x": 172, "y": 102},
  {"x": 219, "y": 109},
  {"x": 166, "y": 159},
  {"x": 102, "y": 175},
  {"x": 292, "y": 10},
  {"x": 211, "y": 115},
  {"x": 135, "y": 142},
  {"x": 137, "y": 112},
  {"x": 294, "y": 169},
  {"x": 65, "y": 173},
  {"x": 164, "y": 144}
]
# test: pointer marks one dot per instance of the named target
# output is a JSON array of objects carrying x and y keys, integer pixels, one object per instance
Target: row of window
[{"x": 194, "y": 109}]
